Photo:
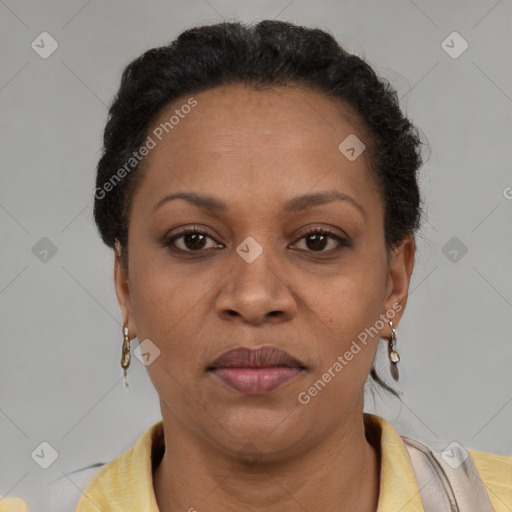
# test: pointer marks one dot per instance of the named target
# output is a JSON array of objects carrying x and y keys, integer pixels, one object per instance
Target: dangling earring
[
  {"x": 125, "y": 357},
  {"x": 392, "y": 353}
]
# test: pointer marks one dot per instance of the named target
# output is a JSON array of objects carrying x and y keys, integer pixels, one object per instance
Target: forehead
[
  {"x": 297, "y": 114},
  {"x": 240, "y": 141}
]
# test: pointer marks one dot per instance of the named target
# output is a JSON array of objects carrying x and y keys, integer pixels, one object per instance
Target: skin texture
[{"x": 255, "y": 150}]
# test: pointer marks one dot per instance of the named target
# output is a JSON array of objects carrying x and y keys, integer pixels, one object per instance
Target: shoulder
[
  {"x": 496, "y": 474},
  {"x": 106, "y": 481},
  {"x": 64, "y": 493},
  {"x": 60, "y": 495},
  {"x": 11, "y": 504}
]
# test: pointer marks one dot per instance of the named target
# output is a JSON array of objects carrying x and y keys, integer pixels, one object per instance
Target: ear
[
  {"x": 401, "y": 265},
  {"x": 121, "y": 283}
]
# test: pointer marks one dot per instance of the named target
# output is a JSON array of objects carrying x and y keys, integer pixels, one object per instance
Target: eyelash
[{"x": 342, "y": 242}]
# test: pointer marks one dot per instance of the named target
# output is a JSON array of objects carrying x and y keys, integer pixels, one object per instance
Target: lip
[
  {"x": 263, "y": 357},
  {"x": 255, "y": 371}
]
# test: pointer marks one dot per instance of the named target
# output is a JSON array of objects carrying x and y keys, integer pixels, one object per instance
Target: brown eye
[
  {"x": 194, "y": 241},
  {"x": 189, "y": 240},
  {"x": 317, "y": 240}
]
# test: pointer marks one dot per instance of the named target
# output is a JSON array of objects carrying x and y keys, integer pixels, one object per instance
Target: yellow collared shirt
[{"x": 126, "y": 483}]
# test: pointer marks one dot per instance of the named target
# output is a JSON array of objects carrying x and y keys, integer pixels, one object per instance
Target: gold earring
[
  {"x": 394, "y": 358},
  {"x": 125, "y": 357}
]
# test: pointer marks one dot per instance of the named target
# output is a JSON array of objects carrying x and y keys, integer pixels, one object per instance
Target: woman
[{"x": 259, "y": 188}]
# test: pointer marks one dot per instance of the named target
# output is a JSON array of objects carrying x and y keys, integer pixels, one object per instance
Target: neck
[{"x": 341, "y": 473}]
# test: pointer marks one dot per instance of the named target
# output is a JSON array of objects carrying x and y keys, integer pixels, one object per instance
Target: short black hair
[{"x": 267, "y": 53}]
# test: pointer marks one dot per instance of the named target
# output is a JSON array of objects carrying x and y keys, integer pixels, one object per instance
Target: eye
[
  {"x": 191, "y": 240},
  {"x": 194, "y": 240},
  {"x": 317, "y": 240}
]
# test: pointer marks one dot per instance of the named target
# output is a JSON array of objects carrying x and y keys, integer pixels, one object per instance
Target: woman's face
[{"x": 255, "y": 277}]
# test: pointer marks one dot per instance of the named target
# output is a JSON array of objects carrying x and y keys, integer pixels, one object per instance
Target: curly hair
[{"x": 268, "y": 53}]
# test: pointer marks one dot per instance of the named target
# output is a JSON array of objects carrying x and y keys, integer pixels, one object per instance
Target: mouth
[{"x": 257, "y": 371}]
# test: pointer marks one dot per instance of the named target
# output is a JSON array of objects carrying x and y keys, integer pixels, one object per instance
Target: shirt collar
[
  {"x": 399, "y": 490},
  {"x": 126, "y": 483}
]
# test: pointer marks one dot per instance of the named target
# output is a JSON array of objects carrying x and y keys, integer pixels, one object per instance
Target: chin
[{"x": 259, "y": 435}]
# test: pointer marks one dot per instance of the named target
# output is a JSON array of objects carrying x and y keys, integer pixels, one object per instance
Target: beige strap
[{"x": 449, "y": 483}]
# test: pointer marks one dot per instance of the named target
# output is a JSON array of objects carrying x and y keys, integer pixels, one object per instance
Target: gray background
[{"x": 60, "y": 378}]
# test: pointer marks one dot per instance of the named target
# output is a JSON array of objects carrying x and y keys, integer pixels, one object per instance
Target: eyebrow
[{"x": 294, "y": 205}]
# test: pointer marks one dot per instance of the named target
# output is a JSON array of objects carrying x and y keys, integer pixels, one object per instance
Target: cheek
[
  {"x": 349, "y": 312},
  {"x": 165, "y": 308},
  {"x": 352, "y": 300},
  {"x": 345, "y": 358},
  {"x": 168, "y": 313}
]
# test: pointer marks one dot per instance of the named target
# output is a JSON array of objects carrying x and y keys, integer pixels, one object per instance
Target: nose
[{"x": 256, "y": 292}]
